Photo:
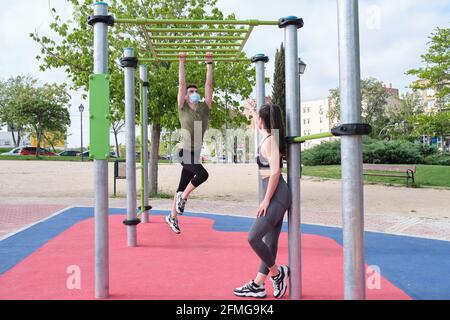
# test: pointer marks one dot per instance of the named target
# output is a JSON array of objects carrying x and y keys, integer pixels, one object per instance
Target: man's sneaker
[
  {"x": 173, "y": 224},
  {"x": 251, "y": 289},
  {"x": 180, "y": 202},
  {"x": 280, "y": 282}
]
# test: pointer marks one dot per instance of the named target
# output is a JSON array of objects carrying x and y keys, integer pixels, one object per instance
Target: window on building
[{"x": 321, "y": 120}]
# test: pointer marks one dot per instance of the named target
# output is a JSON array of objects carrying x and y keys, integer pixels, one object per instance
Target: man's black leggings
[{"x": 192, "y": 172}]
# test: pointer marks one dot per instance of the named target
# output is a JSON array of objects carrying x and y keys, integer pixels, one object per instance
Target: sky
[{"x": 393, "y": 35}]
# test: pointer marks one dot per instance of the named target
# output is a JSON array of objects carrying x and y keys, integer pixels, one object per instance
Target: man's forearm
[
  {"x": 181, "y": 75},
  {"x": 209, "y": 84},
  {"x": 181, "y": 84},
  {"x": 209, "y": 75}
]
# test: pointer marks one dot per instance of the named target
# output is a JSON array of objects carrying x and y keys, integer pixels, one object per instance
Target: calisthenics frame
[{"x": 234, "y": 40}]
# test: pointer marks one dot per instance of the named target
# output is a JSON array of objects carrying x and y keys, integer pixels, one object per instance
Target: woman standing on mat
[
  {"x": 264, "y": 234},
  {"x": 194, "y": 117}
]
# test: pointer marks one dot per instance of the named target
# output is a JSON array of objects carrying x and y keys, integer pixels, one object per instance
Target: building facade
[
  {"x": 315, "y": 119},
  {"x": 428, "y": 98}
]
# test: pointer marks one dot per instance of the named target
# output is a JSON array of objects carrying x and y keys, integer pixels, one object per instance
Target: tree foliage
[
  {"x": 374, "y": 101},
  {"x": 12, "y": 92},
  {"x": 279, "y": 81},
  {"x": 402, "y": 118},
  {"x": 433, "y": 124},
  {"x": 73, "y": 51},
  {"x": 436, "y": 74},
  {"x": 44, "y": 110}
]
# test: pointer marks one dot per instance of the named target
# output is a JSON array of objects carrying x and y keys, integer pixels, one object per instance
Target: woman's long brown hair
[{"x": 273, "y": 120}]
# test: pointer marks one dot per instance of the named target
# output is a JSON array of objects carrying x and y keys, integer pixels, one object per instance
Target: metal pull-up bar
[
  {"x": 195, "y": 59},
  {"x": 196, "y": 22},
  {"x": 226, "y": 36},
  {"x": 176, "y": 44}
]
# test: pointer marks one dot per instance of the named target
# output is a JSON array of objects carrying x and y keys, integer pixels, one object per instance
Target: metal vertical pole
[
  {"x": 300, "y": 117},
  {"x": 81, "y": 122},
  {"x": 144, "y": 142},
  {"x": 130, "y": 115},
  {"x": 260, "y": 60},
  {"x": 101, "y": 169},
  {"x": 291, "y": 24},
  {"x": 351, "y": 151}
]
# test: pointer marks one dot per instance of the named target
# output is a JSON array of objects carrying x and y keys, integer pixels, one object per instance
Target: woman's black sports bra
[{"x": 263, "y": 162}]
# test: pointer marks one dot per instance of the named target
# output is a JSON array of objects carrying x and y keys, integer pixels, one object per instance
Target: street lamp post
[
  {"x": 81, "y": 108},
  {"x": 301, "y": 66}
]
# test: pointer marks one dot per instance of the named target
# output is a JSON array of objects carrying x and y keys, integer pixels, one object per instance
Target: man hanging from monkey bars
[{"x": 194, "y": 116}]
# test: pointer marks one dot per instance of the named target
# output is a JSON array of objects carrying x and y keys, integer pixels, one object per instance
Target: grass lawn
[{"x": 426, "y": 175}]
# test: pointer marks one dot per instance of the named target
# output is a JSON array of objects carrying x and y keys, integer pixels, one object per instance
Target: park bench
[
  {"x": 120, "y": 172},
  {"x": 397, "y": 171}
]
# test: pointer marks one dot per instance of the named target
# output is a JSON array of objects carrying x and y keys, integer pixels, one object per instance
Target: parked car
[
  {"x": 69, "y": 153},
  {"x": 28, "y": 151},
  {"x": 85, "y": 154},
  {"x": 31, "y": 151},
  {"x": 13, "y": 152}
]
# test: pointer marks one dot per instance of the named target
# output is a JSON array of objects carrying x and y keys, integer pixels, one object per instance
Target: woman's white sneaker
[
  {"x": 173, "y": 224},
  {"x": 180, "y": 202},
  {"x": 280, "y": 282},
  {"x": 251, "y": 289}
]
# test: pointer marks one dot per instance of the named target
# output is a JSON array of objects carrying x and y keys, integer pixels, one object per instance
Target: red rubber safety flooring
[{"x": 200, "y": 263}]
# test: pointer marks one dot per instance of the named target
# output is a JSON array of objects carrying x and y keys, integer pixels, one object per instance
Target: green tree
[
  {"x": 73, "y": 51},
  {"x": 374, "y": 102},
  {"x": 11, "y": 93},
  {"x": 117, "y": 124},
  {"x": 55, "y": 137},
  {"x": 44, "y": 110},
  {"x": 279, "y": 81},
  {"x": 433, "y": 124},
  {"x": 403, "y": 118},
  {"x": 436, "y": 74}
]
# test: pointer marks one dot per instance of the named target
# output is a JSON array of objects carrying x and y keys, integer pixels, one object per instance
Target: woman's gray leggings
[{"x": 264, "y": 234}]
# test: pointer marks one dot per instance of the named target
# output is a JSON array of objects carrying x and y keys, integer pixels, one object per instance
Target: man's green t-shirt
[{"x": 190, "y": 119}]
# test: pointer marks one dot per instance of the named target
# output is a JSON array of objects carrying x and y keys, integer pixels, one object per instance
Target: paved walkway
[{"x": 31, "y": 190}]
